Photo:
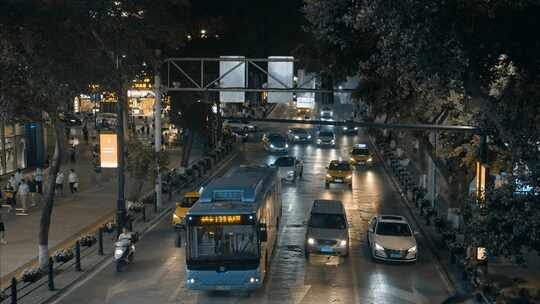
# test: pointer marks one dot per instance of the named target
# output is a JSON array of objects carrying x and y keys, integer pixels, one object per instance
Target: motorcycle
[{"x": 124, "y": 250}]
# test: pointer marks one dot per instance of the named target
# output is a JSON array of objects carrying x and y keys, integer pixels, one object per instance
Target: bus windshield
[{"x": 223, "y": 243}]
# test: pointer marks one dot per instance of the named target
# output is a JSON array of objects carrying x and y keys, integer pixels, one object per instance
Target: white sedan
[
  {"x": 289, "y": 167},
  {"x": 390, "y": 238}
]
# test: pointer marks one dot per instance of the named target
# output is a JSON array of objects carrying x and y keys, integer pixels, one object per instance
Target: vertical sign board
[
  {"x": 108, "y": 150},
  {"x": 280, "y": 73},
  {"x": 234, "y": 78}
]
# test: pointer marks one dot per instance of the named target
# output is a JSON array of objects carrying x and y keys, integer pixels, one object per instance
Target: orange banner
[{"x": 108, "y": 150}]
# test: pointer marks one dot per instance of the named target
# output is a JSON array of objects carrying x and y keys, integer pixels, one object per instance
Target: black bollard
[
  {"x": 144, "y": 213},
  {"x": 78, "y": 256},
  {"x": 13, "y": 291},
  {"x": 100, "y": 241},
  {"x": 51, "y": 274}
]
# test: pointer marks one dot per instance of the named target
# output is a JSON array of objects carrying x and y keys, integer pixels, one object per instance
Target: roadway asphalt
[{"x": 158, "y": 273}]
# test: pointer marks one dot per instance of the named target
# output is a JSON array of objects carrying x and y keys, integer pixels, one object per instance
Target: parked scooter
[{"x": 124, "y": 249}]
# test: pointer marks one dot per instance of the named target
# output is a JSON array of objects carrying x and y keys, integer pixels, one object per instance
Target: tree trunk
[
  {"x": 45, "y": 221},
  {"x": 186, "y": 149}
]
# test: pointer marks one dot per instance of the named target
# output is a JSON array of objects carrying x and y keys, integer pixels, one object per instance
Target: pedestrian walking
[
  {"x": 24, "y": 191},
  {"x": 73, "y": 180},
  {"x": 9, "y": 194},
  {"x": 32, "y": 188},
  {"x": 2, "y": 231},
  {"x": 18, "y": 177},
  {"x": 72, "y": 152},
  {"x": 85, "y": 133},
  {"x": 59, "y": 183},
  {"x": 39, "y": 180},
  {"x": 97, "y": 170}
]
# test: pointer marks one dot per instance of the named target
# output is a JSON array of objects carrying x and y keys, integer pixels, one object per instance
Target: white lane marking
[{"x": 300, "y": 293}]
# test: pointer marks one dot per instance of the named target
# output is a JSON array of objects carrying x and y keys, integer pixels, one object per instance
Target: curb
[{"x": 449, "y": 282}]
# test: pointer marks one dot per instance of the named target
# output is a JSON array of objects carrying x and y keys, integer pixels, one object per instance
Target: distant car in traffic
[
  {"x": 327, "y": 229},
  {"x": 70, "y": 119},
  {"x": 350, "y": 128},
  {"x": 360, "y": 155},
  {"x": 241, "y": 123},
  {"x": 338, "y": 172},
  {"x": 391, "y": 238},
  {"x": 327, "y": 114},
  {"x": 106, "y": 120},
  {"x": 275, "y": 143},
  {"x": 289, "y": 167},
  {"x": 240, "y": 133},
  {"x": 326, "y": 138},
  {"x": 299, "y": 135}
]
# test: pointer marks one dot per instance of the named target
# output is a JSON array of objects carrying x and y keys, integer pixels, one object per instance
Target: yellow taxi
[
  {"x": 182, "y": 208},
  {"x": 338, "y": 172},
  {"x": 360, "y": 155}
]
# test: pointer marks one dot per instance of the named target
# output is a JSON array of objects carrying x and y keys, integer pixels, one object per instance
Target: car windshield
[
  {"x": 339, "y": 166},
  {"x": 327, "y": 221},
  {"x": 360, "y": 151},
  {"x": 276, "y": 138},
  {"x": 299, "y": 131},
  {"x": 284, "y": 162},
  {"x": 393, "y": 229},
  {"x": 326, "y": 134},
  {"x": 222, "y": 242}
]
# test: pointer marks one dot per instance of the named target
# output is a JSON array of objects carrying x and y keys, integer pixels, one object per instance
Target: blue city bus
[{"x": 232, "y": 229}]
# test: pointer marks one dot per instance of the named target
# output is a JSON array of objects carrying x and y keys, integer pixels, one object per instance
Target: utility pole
[
  {"x": 120, "y": 202},
  {"x": 157, "y": 124}
]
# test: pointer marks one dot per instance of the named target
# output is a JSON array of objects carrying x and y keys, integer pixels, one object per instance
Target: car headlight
[
  {"x": 311, "y": 241},
  {"x": 254, "y": 280},
  {"x": 345, "y": 128},
  {"x": 333, "y": 141},
  {"x": 328, "y": 175},
  {"x": 290, "y": 173},
  {"x": 348, "y": 177},
  {"x": 356, "y": 128},
  {"x": 286, "y": 145},
  {"x": 319, "y": 141},
  {"x": 322, "y": 113},
  {"x": 272, "y": 146},
  {"x": 370, "y": 160},
  {"x": 343, "y": 243},
  {"x": 309, "y": 137},
  {"x": 175, "y": 216},
  {"x": 351, "y": 159},
  {"x": 379, "y": 247},
  {"x": 412, "y": 249},
  {"x": 296, "y": 137}
]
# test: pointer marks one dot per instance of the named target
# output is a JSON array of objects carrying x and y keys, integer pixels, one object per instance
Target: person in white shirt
[
  {"x": 18, "y": 177},
  {"x": 59, "y": 182},
  {"x": 39, "y": 180},
  {"x": 73, "y": 181},
  {"x": 23, "y": 194}
]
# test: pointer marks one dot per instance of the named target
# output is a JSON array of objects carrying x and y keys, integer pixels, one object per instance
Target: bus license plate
[
  {"x": 327, "y": 249},
  {"x": 221, "y": 287}
]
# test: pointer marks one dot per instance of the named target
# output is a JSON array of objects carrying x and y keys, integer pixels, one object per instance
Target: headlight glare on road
[
  {"x": 311, "y": 241},
  {"x": 379, "y": 247},
  {"x": 343, "y": 243},
  {"x": 412, "y": 249}
]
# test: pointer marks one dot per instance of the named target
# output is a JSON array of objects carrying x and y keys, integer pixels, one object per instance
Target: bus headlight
[
  {"x": 343, "y": 243},
  {"x": 191, "y": 281},
  {"x": 311, "y": 241},
  {"x": 254, "y": 280}
]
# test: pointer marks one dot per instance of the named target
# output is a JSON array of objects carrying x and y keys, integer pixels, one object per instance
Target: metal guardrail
[{"x": 18, "y": 289}]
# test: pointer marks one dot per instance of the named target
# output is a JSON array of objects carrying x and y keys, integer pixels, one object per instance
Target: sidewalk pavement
[
  {"x": 72, "y": 213},
  {"x": 501, "y": 271}
]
